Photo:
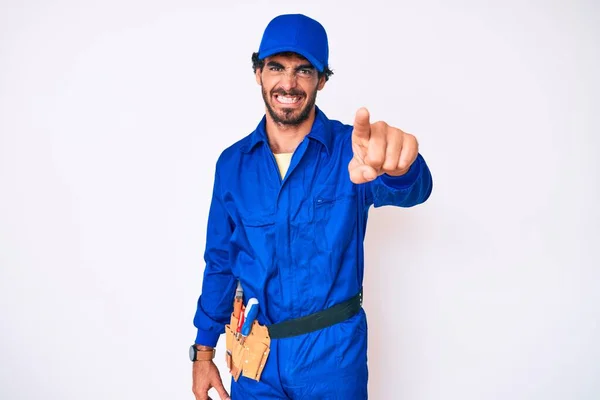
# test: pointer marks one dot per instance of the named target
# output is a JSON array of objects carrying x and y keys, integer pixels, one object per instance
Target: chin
[
  {"x": 286, "y": 113},
  {"x": 290, "y": 116}
]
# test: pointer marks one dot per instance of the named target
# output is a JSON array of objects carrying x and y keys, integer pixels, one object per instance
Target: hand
[
  {"x": 379, "y": 149},
  {"x": 205, "y": 375}
]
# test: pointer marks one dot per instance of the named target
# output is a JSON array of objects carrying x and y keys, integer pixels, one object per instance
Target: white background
[{"x": 113, "y": 113}]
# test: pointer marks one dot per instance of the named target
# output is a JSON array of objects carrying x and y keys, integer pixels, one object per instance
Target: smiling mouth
[{"x": 287, "y": 100}]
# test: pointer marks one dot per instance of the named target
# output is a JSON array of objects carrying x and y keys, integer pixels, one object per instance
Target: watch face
[{"x": 192, "y": 353}]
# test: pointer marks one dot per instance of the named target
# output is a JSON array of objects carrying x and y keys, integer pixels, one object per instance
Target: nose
[{"x": 289, "y": 81}]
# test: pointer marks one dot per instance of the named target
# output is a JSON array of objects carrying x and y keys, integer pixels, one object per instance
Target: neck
[{"x": 285, "y": 138}]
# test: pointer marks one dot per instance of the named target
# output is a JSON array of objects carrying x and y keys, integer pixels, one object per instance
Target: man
[{"x": 287, "y": 219}]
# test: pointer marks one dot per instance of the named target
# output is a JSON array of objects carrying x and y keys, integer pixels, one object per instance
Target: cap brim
[{"x": 270, "y": 52}]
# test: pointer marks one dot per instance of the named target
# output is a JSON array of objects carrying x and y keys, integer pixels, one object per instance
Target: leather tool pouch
[{"x": 248, "y": 358}]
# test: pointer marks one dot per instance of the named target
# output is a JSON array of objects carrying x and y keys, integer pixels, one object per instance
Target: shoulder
[
  {"x": 334, "y": 125},
  {"x": 232, "y": 154},
  {"x": 341, "y": 132},
  {"x": 340, "y": 128}
]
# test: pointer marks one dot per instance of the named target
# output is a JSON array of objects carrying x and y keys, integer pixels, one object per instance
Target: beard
[{"x": 289, "y": 116}]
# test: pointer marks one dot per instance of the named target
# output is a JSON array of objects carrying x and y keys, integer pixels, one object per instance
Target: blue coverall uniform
[{"x": 296, "y": 244}]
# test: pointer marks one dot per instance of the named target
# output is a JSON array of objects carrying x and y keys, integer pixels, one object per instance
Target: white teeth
[{"x": 287, "y": 99}]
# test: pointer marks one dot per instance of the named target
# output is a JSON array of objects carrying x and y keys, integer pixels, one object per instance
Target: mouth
[{"x": 287, "y": 101}]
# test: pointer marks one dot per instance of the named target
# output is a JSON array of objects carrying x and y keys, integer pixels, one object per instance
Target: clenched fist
[{"x": 379, "y": 149}]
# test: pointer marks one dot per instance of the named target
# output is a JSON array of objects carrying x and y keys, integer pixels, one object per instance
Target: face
[{"x": 289, "y": 88}]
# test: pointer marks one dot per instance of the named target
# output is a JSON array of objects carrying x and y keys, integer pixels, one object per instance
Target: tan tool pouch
[{"x": 247, "y": 359}]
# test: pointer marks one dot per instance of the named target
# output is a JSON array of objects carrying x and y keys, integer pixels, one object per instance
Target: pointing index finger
[{"x": 362, "y": 126}]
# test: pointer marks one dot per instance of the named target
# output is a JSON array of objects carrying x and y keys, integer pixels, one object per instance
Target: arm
[{"x": 215, "y": 304}]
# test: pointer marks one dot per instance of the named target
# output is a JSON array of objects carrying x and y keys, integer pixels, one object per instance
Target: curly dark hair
[{"x": 257, "y": 63}]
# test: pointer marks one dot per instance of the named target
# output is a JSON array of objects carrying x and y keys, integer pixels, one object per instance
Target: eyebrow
[
  {"x": 305, "y": 66},
  {"x": 299, "y": 67},
  {"x": 274, "y": 64}
]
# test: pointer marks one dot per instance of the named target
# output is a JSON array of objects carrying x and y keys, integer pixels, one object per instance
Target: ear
[
  {"x": 321, "y": 83},
  {"x": 257, "y": 76}
]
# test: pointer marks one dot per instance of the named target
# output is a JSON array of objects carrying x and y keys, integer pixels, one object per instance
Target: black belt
[{"x": 319, "y": 320}]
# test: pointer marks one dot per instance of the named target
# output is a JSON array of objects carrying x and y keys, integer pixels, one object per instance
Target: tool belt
[
  {"x": 247, "y": 358},
  {"x": 249, "y": 355},
  {"x": 317, "y": 321}
]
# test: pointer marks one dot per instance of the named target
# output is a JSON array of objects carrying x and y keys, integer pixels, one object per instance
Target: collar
[{"x": 320, "y": 131}]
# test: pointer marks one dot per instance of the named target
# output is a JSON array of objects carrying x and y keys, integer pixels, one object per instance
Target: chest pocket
[
  {"x": 260, "y": 219},
  {"x": 334, "y": 218},
  {"x": 256, "y": 236}
]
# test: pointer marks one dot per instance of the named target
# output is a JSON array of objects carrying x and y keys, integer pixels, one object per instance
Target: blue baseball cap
[{"x": 299, "y": 34}]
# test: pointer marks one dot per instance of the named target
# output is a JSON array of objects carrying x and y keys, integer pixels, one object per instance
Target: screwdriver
[
  {"x": 237, "y": 304},
  {"x": 249, "y": 316},
  {"x": 237, "y": 308},
  {"x": 240, "y": 323}
]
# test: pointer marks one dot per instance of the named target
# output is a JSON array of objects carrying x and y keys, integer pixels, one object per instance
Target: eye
[
  {"x": 275, "y": 68},
  {"x": 306, "y": 71}
]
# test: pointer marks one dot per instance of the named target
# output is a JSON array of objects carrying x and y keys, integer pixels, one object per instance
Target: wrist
[{"x": 201, "y": 353}]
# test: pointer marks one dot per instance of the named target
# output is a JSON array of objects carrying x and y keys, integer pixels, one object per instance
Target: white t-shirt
[{"x": 283, "y": 162}]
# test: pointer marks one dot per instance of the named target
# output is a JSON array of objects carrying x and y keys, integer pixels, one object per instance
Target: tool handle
[
  {"x": 237, "y": 308},
  {"x": 250, "y": 315},
  {"x": 241, "y": 320}
]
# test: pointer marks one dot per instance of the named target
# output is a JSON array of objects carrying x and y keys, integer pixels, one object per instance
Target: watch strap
[{"x": 205, "y": 355}]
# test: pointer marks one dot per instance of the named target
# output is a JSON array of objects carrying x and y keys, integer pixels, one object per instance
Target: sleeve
[
  {"x": 407, "y": 190},
  {"x": 215, "y": 303}
]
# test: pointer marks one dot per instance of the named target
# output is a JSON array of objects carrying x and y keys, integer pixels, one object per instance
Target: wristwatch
[{"x": 201, "y": 355}]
